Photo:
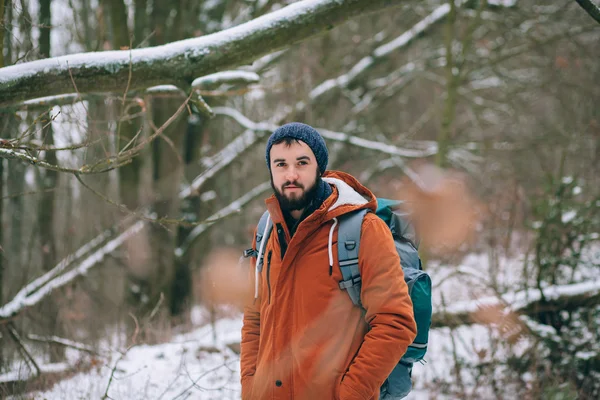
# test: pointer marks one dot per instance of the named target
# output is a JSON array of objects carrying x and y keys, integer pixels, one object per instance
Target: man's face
[{"x": 294, "y": 174}]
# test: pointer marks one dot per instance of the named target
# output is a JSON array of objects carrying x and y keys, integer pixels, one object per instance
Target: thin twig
[
  {"x": 14, "y": 335},
  {"x": 194, "y": 382},
  {"x": 136, "y": 330},
  {"x": 63, "y": 342},
  {"x": 112, "y": 375}
]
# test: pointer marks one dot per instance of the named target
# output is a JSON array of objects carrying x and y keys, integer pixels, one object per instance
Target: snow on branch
[
  {"x": 380, "y": 54},
  {"x": 32, "y": 297},
  {"x": 33, "y": 286},
  {"x": 266, "y": 61},
  {"x": 379, "y": 146},
  {"x": 179, "y": 62},
  {"x": 205, "y": 83},
  {"x": 385, "y": 50},
  {"x": 525, "y": 301},
  {"x": 233, "y": 208},
  {"x": 217, "y": 79},
  {"x": 254, "y": 132}
]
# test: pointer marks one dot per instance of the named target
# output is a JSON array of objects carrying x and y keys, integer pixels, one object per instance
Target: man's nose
[{"x": 291, "y": 174}]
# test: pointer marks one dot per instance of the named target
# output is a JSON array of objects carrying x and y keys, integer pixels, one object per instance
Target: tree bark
[
  {"x": 45, "y": 24},
  {"x": 182, "y": 282},
  {"x": 140, "y": 22},
  {"x": 46, "y": 213},
  {"x": 168, "y": 172},
  {"x": 8, "y": 17},
  {"x": 449, "y": 113},
  {"x": 2, "y": 29},
  {"x": 118, "y": 23},
  {"x": 180, "y": 62}
]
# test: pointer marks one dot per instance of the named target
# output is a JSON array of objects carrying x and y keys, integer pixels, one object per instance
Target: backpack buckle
[
  {"x": 355, "y": 281},
  {"x": 250, "y": 253}
]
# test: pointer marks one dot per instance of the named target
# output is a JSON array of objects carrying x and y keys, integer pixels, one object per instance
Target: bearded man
[{"x": 302, "y": 336}]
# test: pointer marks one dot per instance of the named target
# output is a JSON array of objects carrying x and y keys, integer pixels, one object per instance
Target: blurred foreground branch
[{"x": 592, "y": 9}]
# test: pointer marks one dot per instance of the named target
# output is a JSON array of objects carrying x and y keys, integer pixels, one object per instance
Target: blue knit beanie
[{"x": 305, "y": 133}]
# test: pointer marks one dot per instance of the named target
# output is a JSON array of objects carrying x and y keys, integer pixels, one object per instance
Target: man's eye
[
  {"x": 303, "y": 163},
  {"x": 280, "y": 164}
]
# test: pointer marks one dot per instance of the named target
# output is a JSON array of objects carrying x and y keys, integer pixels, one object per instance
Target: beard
[{"x": 299, "y": 202}]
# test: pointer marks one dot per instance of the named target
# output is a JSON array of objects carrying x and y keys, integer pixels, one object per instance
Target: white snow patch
[
  {"x": 196, "y": 365},
  {"x": 568, "y": 216}
]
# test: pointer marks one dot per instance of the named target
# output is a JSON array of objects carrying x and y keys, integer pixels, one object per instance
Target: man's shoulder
[{"x": 373, "y": 225}]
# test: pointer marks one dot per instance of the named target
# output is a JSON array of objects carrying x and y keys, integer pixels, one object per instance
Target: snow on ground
[
  {"x": 193, "y": 365},
  {"x": 200, "y": 365}
]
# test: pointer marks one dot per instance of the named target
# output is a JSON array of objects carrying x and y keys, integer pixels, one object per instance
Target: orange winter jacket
[{"x": 302, "y": 337}]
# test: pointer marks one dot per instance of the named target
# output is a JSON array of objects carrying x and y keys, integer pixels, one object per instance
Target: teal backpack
[{"x": 398, "y": 384}]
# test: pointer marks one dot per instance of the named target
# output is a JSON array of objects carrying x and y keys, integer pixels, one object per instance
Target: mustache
[{"x": 296, "y": 184}]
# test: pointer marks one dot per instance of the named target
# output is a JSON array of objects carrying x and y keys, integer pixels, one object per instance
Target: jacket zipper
[{"x": 269, "y": 273}]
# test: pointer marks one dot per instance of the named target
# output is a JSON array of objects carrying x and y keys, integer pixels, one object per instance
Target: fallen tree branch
[
  {"x": 378, "y": 146},
  {"x": 14, "y": 335},
  {"x": 179, "y": 62},
  {"x": 527, "y": 302},
  {"x": 592, "y": 9},
  {"x": 31, "y": 298},
  {"x": 63, "y": 342}
]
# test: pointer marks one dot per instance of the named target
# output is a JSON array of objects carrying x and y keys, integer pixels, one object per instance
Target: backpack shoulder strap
[
  {"x": 263, "y": 232},
  {"x": 349, "y": 232}
]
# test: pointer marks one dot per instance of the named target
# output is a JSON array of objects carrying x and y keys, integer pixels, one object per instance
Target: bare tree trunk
[
  {"x": 46, "y": 220},
  {"x": 167, "y": 174},
  {"x": 5, "y": 43},
  {"x": 449, "y": 113},
  {"x": 45, "y": 26},
  {"x": 182, "y": 282},
  {"x": 118, "y": 23},
  {"x": 140, "y": 22},
  {"x": 2, "y": 29},
  {"x": 1, "y": 253},
  {"x": 87, "y": 29}
]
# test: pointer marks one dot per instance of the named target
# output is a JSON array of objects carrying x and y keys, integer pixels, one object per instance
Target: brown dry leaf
[
  {"x": 444, "y": 211},
  {"x": 508, "y": 324},
  {"x": 138, "y": 253},
  {"x": 488, "y": 315},
  {"x": 223, "y": 280}
]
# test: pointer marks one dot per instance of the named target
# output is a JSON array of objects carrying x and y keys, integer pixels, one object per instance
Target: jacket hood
[{"x": 349, "y": 195}]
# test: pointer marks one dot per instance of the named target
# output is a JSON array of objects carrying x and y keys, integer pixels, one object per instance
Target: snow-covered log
[
  {"x": 40, "y": 288},
  {"x": 526, "y": 302},
  {"x": 179, "y": 63}
]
